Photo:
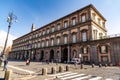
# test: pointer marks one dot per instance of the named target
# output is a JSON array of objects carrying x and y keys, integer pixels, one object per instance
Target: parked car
[{"x": 73, "y": 60}]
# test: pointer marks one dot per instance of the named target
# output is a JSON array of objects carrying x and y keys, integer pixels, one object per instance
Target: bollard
[
  {"x": 100, "y": 65},
  {"x": 44, "y": 71},
  {"x": 8, "y": 75},
  {"x": 93, "y": 65},
  {"x": 53, "y": 71},
  {"x": 106, "y": 65},
  {"x": 61, "y": 69},
  {"x": 81, "y": 66},
  {"x": 67, "y": 68}
]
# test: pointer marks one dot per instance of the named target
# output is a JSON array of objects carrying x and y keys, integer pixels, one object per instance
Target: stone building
[{"x": 81, "y": 34}]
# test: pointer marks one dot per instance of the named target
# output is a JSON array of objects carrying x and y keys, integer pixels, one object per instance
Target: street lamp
[{"x": 10, "y": 19}]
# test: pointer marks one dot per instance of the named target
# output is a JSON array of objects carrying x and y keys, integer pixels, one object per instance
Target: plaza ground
[{"x": 34, "y": 70}]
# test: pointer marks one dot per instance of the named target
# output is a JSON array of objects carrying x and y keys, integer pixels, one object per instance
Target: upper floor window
[
  {"x": 58, "y": 40},
  {"x": 47, "y": 43},
  {"x": 74, "y": 38},
  {"x": 95, "y": 34},
  {"x": 93, "y": 16},
  {"x": 43, "y": 32},
  {"x": 53, "y": 29},
  {"x": 84, "y": 36},
  {"x": 52, "y": 42},
  {"x": 58, "y": 26},
  {"x": 99, "y": 21},
  {"x": 38, "y": 44},
  {"x": 40, "y": 34},
  {"x": 73, "y": 21},
  {"x": 100, "y": 35},
  {"x": 65, "y": 40},
  {"x": 65, "y": 24},
  {"x": 48, "y": 31},
  {"x": 43, "y": 44},
  {"x": 103, "y": 24},
  {"x": 103, "y": 49},
  {"x": 83, "y": 17}
]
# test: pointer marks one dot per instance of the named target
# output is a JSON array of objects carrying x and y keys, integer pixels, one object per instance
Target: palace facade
[{"x": 81, "y": 34}]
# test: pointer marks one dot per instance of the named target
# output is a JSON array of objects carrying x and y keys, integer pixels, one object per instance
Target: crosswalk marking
[
  {"x": 60, "y": 74},
  {"x": 69, "y": 77},
  {"x": 96, "y": 78},
  {"x": 76, "y": 76},
  {"x": 84, "y": 77}
]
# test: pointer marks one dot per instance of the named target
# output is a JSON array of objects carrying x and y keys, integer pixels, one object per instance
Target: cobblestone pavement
[{"x": 36, "y": 68}]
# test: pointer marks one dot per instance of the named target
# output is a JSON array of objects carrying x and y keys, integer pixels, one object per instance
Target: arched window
[{"x": 74, "y": 38}]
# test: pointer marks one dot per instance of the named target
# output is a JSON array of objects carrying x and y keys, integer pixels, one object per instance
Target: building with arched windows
[{"x": 81, "y": 34}]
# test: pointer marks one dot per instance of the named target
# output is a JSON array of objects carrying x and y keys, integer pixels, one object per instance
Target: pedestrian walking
[
  {"x": 5, "y": 65},
  {"x": 28, "y": 61}
]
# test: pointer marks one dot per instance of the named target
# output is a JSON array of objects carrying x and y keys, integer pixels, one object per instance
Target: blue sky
[{"x": 41, "y": 12}]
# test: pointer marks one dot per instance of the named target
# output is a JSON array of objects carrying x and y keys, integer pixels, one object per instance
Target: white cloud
[{"x": 3, "y": 35}]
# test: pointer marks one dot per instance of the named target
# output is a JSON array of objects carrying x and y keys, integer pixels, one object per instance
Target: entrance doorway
[
  {"x": 64, "y": 55},
  {"x": 42, "y": 55},
  {"x": 51, "y": 55}
]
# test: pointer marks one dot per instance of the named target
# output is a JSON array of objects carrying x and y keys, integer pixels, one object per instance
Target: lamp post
[{"x": 10, "y": 18}]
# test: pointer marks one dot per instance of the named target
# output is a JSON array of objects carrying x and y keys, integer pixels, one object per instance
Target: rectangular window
[
  {"x": 58, "y": 41},
  {"x": 58, "y": 26},
  {"x": 65, "y": 24},
  {"x": 42, "y": 44},
  {"x": 47, "y": 43},
  {"x": 73, "y": 21},
  {"x": 83, "y": 18},
  {"x": 40, "y": 34},
  {"x": 84, "y": 37},
  {"x": 53, "y": 29},
  {"x": 65, "y": 40},
  {"x": 43, "y": 32},
  {"x": 99, "y": 21},
  {"x": 103, "y": 49},
  {"x": 52, "y": 42},
  {"x": 48, "y": 31},
  {"x": 74, "y": 38}
]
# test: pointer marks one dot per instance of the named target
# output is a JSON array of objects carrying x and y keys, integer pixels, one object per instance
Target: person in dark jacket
[{"x": 5, "y": 64}]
